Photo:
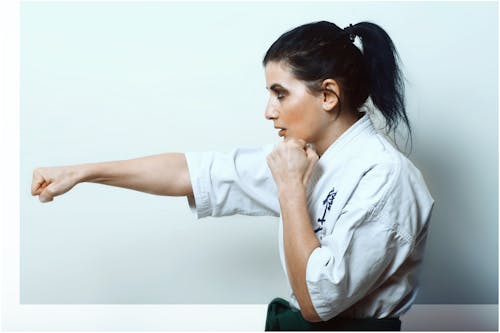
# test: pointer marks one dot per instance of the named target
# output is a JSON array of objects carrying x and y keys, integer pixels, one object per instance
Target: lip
[{"x": 281, "y": 130}]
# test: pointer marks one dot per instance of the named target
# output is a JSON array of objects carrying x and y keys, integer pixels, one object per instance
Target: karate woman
[{"x": 354, "y": 211}]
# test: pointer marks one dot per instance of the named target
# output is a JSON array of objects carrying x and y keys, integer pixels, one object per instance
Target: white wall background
[{"x": 109, "y": 81}]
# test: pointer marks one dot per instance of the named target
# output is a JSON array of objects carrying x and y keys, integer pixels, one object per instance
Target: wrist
[
  {"x": 291, "y": 189},
  {"x": 83, "y": 173}
]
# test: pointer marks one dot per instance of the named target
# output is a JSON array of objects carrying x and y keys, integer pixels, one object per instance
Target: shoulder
[
  {"x": 374, "y": 165},
  {"x": 376, "y": 156}
]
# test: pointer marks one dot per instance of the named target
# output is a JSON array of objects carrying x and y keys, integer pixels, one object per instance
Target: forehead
[{"x": 280, "y": 73}]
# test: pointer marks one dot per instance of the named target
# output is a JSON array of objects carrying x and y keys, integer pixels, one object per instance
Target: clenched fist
[
  {"x": 291, "y": 161},
  {"x": 53, "y": 181}
]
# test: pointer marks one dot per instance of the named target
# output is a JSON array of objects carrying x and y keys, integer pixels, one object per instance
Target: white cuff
[
  {"x": 199, "y": 202},
  {"x": 318, "y": 285}
]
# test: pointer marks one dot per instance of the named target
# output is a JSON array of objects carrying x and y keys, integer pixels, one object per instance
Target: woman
[{"x": 354, "y": 211}]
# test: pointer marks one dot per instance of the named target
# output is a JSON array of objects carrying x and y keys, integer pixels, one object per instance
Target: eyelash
[{"x": 280, "y": 95}]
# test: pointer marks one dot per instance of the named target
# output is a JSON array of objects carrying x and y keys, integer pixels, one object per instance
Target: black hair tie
[{"x": 350, "y": 32}]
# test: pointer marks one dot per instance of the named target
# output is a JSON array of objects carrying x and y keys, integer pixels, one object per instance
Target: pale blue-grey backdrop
[{"x": 112, "y": 81}]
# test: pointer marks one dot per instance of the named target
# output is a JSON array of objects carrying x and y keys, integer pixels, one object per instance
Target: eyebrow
[{"x": 276, "y": 86}]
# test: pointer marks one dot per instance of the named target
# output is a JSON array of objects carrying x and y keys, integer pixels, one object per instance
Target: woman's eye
[{"x": 280, "y": 95}]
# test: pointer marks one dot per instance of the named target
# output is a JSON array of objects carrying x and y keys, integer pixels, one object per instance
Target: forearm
[
  {"x": 299, "y": 243},
  {"x": 163, "y": 174}
]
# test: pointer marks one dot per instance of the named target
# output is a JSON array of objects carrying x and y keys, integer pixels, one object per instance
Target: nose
[{"x": 271, "y": 111}]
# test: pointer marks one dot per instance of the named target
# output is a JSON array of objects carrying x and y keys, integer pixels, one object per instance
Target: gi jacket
[{"x": 369, "y": 208}]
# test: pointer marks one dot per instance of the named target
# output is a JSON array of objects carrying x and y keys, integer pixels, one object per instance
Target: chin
[{"x": 296, "y": 137}]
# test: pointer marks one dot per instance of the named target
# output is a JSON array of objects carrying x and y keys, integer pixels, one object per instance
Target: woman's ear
[{"x": 330, "y": 94}]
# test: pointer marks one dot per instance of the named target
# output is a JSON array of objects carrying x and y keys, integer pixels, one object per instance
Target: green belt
[{"x": 282, "y": 317}]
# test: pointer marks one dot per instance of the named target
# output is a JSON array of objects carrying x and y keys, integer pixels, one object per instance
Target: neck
[{"x": 335, "y": 130}]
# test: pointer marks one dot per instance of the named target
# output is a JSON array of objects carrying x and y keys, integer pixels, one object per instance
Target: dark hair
[{"x": 321, "y": 50}]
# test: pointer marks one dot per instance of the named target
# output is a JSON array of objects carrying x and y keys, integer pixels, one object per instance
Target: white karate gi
[{"x": 369, "y": 207}]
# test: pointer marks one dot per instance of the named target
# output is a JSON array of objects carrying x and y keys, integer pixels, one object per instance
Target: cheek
[
  {"x": 302, "y": 116},
  {"x": 294, "y": 116},
  {"x": 295, "y": 110}
]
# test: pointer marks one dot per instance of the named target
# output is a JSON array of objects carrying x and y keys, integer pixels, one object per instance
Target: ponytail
[{"x": 387, "y": 89}]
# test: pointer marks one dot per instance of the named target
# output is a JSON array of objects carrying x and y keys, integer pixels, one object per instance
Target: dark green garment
[{"x": 282, "y": 317}]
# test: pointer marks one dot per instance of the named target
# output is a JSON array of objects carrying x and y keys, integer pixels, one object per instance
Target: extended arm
[{"x": 163, "y": 174}]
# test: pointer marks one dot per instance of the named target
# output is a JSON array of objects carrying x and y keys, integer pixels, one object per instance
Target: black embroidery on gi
[{"x": 328, "y": 205}]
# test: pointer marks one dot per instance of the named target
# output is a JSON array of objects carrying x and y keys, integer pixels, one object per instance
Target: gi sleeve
[
  {"x": 237, "y": 182},
  {"x": 364, "y": 246}
]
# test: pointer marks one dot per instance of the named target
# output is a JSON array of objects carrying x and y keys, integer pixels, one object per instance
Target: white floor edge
[{"x": 216, "y": 318}]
